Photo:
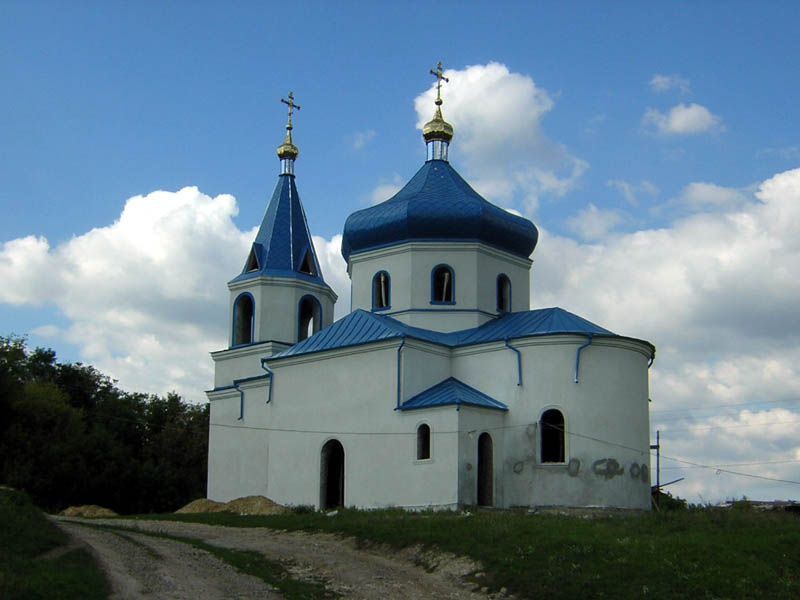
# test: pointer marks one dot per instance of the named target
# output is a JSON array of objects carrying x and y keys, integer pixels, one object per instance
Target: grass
[
  {"x": 26, "y": 534},
  {"x": 699, "y": 554},
  {"x": 251, "y": 563}
]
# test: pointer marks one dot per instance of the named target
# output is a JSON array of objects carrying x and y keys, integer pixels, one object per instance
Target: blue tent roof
[
  {"x": 437, "y": 204},
  {"x": 283, "y": 244},
  {"x": 451, "y": 392},
  {"x": 362, "y": 327}
]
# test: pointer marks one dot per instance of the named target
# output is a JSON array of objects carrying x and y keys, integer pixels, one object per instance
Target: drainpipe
[
  {"x": 519, "y": 361},
  {"x": 578, "y": 355},
  {"x": 241, "y": 401},
  {"x": 271, "y": 378},
  {"x": 650, "y": 362},
  {"x": 399, "y": 359}
]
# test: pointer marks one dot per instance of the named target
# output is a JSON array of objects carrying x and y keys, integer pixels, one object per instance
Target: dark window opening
[
  {"x": 243, "y": 320},
  {"x": 485, "y": 470},
  {"x": 331, "y": 483},
  {"x": 503, "y": 293},
  {"x": 380, "y": 290},
  {"x": 442, "y": 284},
  {"x": 307, "y": 266},
  {"x": 551, "y": 426},
  {"x": 309, "y": 317},
  {"x": 423, "y": 442},
  {"x": 252, "y": 261}
]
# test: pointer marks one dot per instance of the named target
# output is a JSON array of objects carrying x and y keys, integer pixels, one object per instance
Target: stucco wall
[
  {"x": 475, "y": 268},
  {"x": 276, "y": 306},
  {"x": 606, "y": 416},
  {"x": 351, "y": 396}
]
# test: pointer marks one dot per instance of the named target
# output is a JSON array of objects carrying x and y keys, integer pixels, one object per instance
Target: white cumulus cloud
[
  {"x": 663, "y": 83},
  {"x": 682, "y": 119},
  {"x": 717, "y": 293},
  {"x": 497, "y": 117},
  {"x": 593, "y": 223}
]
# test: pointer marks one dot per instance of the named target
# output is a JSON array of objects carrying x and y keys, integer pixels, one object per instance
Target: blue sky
[{"x": 638, "y": 137}]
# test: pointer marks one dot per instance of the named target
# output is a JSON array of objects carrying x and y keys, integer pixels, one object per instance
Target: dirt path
[
  {"x": 140, "y": 566},
  {"x": 352, "y": 572}
]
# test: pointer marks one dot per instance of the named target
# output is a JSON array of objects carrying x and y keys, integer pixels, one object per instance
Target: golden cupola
[
  {"x": 287, "y": 151},
  {"x": 437, "y": 132}
]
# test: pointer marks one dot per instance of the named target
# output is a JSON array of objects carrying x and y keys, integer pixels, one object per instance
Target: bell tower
[{"x": 280, "y": 296}]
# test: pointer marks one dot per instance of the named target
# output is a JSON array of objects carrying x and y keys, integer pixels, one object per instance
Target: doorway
[
  {"x": 485, "y": 471},
  {"x": 331, "y": 483}
]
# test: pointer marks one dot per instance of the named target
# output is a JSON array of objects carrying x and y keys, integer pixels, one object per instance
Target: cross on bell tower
[{"x": 287, "y": 151}]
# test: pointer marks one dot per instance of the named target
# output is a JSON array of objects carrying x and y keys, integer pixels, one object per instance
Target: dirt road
[{"x": 143, "y": 566}]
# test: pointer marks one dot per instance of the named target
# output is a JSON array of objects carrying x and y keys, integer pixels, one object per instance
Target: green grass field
[
  {"x": 26, "y": 534},
  {"x": 695, "y": 554}
]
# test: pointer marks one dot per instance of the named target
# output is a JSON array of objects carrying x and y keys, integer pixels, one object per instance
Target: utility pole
[{"x": 657, "y": 448}]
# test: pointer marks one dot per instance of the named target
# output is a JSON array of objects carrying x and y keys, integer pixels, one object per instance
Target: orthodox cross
[
  {"x": 439, "y": 74},
  {"x": 290, "y": 103}
]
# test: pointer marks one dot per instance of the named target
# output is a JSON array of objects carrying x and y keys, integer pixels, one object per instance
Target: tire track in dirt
[
  {"x": 140, "y": 566},
  {"x": 353, "y": 572}
]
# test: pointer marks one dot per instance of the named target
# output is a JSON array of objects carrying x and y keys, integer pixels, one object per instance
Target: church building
[{"x": 441, "y": 388}]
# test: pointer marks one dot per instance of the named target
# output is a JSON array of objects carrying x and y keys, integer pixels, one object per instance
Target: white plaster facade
[{"x": 277, "y": 403}]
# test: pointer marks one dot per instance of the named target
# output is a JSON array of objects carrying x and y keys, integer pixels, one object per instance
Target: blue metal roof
[
  {"x": 451, "y": 392},
  {"x": 437, "y": 204},
  {"x": 283, "y": 240},
  {"x": 362, "y": 327}
]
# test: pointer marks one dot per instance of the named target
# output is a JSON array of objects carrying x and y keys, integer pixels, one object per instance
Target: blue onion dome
[{"x": 437, "y": 205}]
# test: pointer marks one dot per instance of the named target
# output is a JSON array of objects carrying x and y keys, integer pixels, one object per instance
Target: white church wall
[
  {"x": 491, "y": 264},
  {"x": 238, "y": 448},
  {"x": 238, "y": 363},
  {"x": 475, "y": 270},
  {"x": 363, "y": 267},
  {"x": 276, "y": 301},
  {"x": 472, "y": 423},
  {"x": 609, "y": 403},
  {"x": 423, "y": 366},
  {"x": 351, "y": 397}
]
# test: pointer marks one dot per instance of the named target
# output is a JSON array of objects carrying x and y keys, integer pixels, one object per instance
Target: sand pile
[
  {"x": 202, "y": 505},
  {"x": 249, "y": 505},
  {"x": 254, "y": 505},
  {"x": 88, "y": 511}
]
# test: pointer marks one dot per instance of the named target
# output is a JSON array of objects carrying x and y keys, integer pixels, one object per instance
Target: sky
[{"x": 655, "y": 145}]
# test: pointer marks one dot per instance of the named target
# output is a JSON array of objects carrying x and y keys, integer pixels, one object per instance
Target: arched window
[
  {"x": 443, "y": 285},
  {"x": 423, "y": 442},
  {"x": 381, "y": 290},
  {"x": 485, "y": 470},
  {"x": 309, "y": 317},
  {"x": 503, "y": 293},
  {"x": 551, "y": 426},
  {"x": 243, "y": 320}
]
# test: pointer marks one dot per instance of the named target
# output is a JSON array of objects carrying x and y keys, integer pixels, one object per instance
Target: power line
[
  {"x": 713, "y": 406},
  {"x": 743, "y": 464},
  {"x": 571, "y": 433},
  {"x": 705, "y": 428},
  {"x": 719, "y": 470}
]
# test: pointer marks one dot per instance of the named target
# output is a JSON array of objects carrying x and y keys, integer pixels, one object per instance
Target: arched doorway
[
  {"x": 485, "y": 471},
  {"x": 331, "y": 482}
]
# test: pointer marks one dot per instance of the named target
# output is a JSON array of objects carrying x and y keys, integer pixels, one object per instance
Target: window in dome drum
[{"x": 443, "y": 284}]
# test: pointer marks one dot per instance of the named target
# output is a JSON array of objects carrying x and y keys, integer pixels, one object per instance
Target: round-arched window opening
[
  {"x": 551, "y": 426},
  {"x": 381, "y": 291},
  {"x": 309, "y": 317},
  {"x": 443, "y": 285},
  {"x": 423, "y": 442},
  {"x": 503, "y": 293},
  {"x": 243, "y": 320}
]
